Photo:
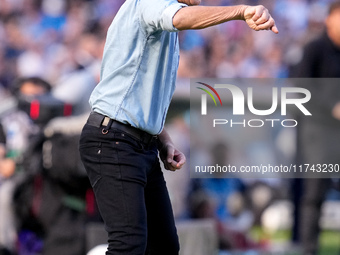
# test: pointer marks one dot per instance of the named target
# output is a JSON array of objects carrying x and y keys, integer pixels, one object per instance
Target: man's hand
[
  {"x": 258, "y": 18},
  {"x": 172, "y": 158}
]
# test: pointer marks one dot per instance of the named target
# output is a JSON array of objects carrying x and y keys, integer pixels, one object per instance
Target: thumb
[
  {"x": 275, "y": 29},
  {"x": 180, "y": 158}
]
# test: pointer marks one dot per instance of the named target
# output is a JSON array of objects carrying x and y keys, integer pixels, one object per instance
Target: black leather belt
[{"x": 98, "y": 120}]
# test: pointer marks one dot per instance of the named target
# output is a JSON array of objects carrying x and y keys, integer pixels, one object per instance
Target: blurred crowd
[
  {"x": 230, "y": 50},
  {"x": 61, "y": 42},
  {"x": 53, "y": 38}
]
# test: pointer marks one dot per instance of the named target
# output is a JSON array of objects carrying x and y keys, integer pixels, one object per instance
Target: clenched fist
[{"x": 258, "y": 18}]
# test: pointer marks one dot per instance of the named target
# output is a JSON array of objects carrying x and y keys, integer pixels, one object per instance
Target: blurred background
[{"x": 50, "y": 55}]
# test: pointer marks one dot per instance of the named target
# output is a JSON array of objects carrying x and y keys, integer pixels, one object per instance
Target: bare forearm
[
  {"x": 199, "y": 17},
  {"x": 164, "y": 138}
]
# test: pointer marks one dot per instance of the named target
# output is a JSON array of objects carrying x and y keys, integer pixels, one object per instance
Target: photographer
[
  {"x": 42, "y": 187},
  {"x": 17, "y": 127}
]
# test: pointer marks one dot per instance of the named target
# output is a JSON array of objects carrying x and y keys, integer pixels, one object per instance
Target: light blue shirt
[{"x": 139, "y": 65}]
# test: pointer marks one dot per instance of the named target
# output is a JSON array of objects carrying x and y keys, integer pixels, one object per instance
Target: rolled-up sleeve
[
  {"x": 158, "y": 14},
  {"x": 167, "y": 16}
]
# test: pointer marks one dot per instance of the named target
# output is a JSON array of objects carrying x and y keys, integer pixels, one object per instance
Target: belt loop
[{"x": 105, "y": 130}]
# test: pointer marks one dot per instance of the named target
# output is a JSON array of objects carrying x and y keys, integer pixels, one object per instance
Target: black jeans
[{"x": 130, "y": 191}]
